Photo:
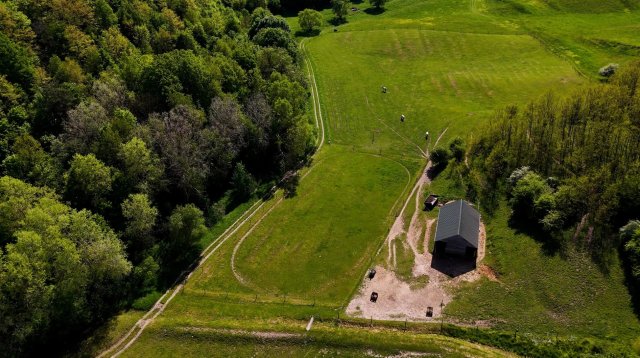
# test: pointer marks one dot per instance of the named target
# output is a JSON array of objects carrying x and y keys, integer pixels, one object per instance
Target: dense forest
[
  {"x": 569, "y": 168},
  {"x": 127, "y": 127}
]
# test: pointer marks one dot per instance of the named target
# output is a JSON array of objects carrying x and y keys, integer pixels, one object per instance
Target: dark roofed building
[
  {"x": 431, "y": 202},
  {"x": 458, "y": 230}
]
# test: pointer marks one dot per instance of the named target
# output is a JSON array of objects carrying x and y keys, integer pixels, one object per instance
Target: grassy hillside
[
  {"x": 437, "y": 79},
  {"x": 447, "y": 65},
  {"x": 547, "y": 294},
  {"x": 320, "y": 241},
  {"x": 589, "y": 34}
]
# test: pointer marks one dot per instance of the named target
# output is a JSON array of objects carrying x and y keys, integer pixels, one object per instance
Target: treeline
[
  {"x": 125, "y": 127},
  {"x": 570, "y": 166}
]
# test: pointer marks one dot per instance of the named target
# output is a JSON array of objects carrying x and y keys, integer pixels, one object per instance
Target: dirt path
[
  {"x": 129, "y": 338},
  {"x": 427, "y": 235},
  {"x": 397, "y": 228},
  {"x": 239, "y": 277},
  {"x": 398, "y": 299},
  {"x": 317, "y": 108}
]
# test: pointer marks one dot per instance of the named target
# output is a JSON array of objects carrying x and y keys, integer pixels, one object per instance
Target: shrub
[
  {"x": 147, "y": 301},
  {"x": 309, "y": 19},
  {"x": 440, "y": 157},
  {"x": 457, "y": 149},
  {"x": 378, "y": 4},
  {"x": 340, "y": 9},
  {"x": 290, "y": 184},
  {"x": 243, "y": 183},
  {"x": 216, "y": 213},
  {"x": 608, "y": 70},
  {"x": 526, "y": 195}
]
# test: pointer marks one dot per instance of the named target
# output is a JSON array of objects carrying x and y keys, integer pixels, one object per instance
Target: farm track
[
  {"x": 319, "y": 124},
  {"x": 237, "y": 275},
  {"x": 127, "y": 340},
  {"x": 398, "y": 226}
]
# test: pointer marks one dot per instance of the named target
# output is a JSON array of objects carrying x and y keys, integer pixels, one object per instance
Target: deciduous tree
[{"x": 309, "y": 19}]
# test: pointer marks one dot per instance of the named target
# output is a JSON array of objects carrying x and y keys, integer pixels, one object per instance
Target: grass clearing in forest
[{"x": 446, "y": 65}]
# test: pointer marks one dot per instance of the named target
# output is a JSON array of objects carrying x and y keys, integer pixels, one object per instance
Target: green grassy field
[
  {"x": 436, "y": 79},
  {"x": 447, "y": 65},
  {"x": 569, "y": 296},
  {"x": 321, "y": 241}
]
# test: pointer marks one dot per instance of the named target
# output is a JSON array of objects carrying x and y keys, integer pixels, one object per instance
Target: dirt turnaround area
[{"x": 400, "y": 299}]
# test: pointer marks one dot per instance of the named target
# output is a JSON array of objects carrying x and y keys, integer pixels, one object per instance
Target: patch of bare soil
[
  {"x": 399, "y": 299},
  {"x": 403, "y": 354},
  {"x": 488, "y": 272},
  {"x": 396, "y": 299}
]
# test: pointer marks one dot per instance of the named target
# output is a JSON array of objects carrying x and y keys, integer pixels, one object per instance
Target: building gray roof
[{"x": 458, "y": 218}]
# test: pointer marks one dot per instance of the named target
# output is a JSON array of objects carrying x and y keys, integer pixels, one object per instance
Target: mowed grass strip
[
  {"x": 325, "y": 339},
  {"x": 316, "y": 245},
  {"x": 446, "y": 15}
]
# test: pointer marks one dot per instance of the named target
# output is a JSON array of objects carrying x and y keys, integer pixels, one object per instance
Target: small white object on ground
[{"x": 310, "y": 324}]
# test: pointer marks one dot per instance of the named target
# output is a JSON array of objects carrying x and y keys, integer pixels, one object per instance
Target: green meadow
[
  {"x": 448, "y": 65},
  {"x": 316, "y": 245}
]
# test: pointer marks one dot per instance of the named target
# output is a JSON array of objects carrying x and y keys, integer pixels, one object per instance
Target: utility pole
[{"x": 441, "y": 316}]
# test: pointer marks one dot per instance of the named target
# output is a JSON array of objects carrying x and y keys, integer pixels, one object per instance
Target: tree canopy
[
  {"x": 59, "y": 269},
  {"x": 145, "y": 117},
  {"x": 569, "y": 166},
  {"x": 309, "y": 19}
]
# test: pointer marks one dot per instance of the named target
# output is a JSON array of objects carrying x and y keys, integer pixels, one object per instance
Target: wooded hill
[
  {"x": 125, "y": 125},
  {"x": 570, "y": 166}
]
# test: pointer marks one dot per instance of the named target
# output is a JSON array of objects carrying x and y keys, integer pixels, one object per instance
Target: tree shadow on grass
[
  {"x": 311, "y": 33},
  {"x": 435, "y": 170},
  {"x": 336, "y": 21},
  {"x": 633, "y": 284},
  {"x": 374, "y": 10},
  {"x": 551, "y": 245}
]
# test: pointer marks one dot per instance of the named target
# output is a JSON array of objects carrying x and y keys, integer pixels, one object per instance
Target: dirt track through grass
[{"x": 241, "y": 279}]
